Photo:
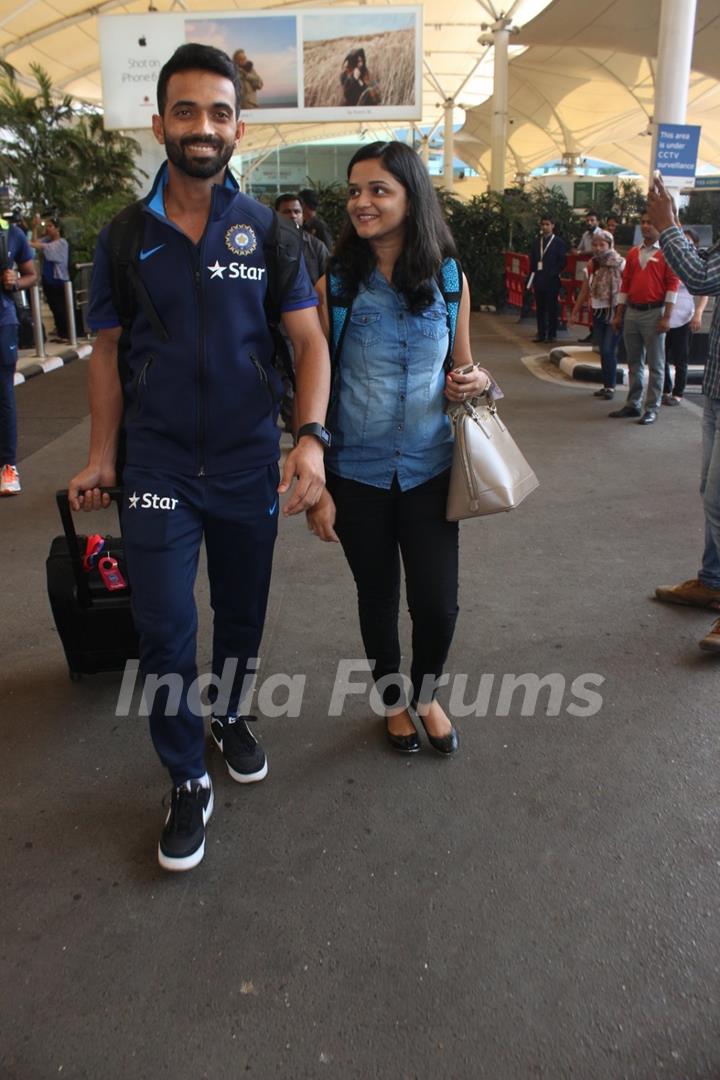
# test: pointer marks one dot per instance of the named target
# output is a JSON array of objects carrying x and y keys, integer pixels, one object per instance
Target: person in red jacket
[{"x": 647, "y": 293}]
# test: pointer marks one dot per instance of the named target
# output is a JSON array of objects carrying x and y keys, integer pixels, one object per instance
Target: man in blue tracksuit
[
  {"x": 198, "y": 400},
  {"x": 16, "y": 272}
]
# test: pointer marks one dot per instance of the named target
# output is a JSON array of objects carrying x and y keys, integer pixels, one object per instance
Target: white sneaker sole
[
  {"x": 241, "y": 778},
  {"x": 189, "y": 861}
]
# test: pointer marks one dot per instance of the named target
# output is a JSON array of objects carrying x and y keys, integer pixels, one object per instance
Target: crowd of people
[
  {"x": 638, "y": 300},
  {"x": 370, "y": 464}
]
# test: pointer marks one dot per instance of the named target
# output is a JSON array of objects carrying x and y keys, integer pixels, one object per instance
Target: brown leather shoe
[
  {"x": 711, "y": 641},
  {"x": 692, "y": 592}
]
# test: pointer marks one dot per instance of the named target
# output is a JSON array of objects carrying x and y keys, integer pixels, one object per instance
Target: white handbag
[{"x": 489, "y": 473}]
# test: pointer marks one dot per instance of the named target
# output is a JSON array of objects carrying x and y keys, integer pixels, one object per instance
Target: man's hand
[
  {"x": 663, "y": 325},
  {"x": 84, "y": 489},
  {"x": 9, "y": 279},
  {"x": 321, "y": 518},
  {"x": 617, "y": 322},
  {"x": 306, "y": 464},
  {"x": 661, "y": 206},
  {"x": 696, "y": 323}
]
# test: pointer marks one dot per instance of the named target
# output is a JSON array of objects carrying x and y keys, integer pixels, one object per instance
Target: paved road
[{"x": 544, "y": 905}]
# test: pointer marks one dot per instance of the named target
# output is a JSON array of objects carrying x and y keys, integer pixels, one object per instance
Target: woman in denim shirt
[{"x": 388, "y": 469}]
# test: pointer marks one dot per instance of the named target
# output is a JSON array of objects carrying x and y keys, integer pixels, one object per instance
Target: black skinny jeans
[
  {"x": 376, "y": 527},
  {"x": 677, "y": 353}
]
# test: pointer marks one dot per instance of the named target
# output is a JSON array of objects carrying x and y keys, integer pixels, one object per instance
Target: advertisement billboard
[{"x": 313, "y": 64}]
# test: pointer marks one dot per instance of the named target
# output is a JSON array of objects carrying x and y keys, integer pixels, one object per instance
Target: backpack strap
[
  {"x": 4, "y": 250},
  {"x": 282, "y": 248},
  {"x": 339, "y": 309},
  {"x": 125, "y": 238},
  {"x": 450, "y": 283}
]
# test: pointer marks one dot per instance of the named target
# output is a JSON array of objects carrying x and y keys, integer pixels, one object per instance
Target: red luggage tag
[
  {"x": 109, "y": 572},
  {"x": 93, "y": 547}
]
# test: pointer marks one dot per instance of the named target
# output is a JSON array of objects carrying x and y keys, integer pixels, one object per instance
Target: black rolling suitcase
[{"x": 95, "y": 624}]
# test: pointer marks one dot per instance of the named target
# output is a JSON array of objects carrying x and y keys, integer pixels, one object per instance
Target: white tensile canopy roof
[
  {"x": 586, "y": 86},
  {"x": 581, "y": 72}
]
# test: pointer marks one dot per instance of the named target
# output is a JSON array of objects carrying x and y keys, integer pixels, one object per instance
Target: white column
[
  {"x": 499, "y": 124},
  {"x": 672, "y": 75},
  {"x": 448, "y": 150},
  {"x": 425, "y": 150}
]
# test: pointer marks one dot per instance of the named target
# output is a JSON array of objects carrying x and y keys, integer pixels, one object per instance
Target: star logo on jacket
[
  {"x": 217, "y": 270},
  {"x": 134, "y": 500},
  {"x": 241, "y": 239}
]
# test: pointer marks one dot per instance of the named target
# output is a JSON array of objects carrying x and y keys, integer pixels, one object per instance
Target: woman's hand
[
  {"x": 321, "y": 518},
  {"x": 461, "y": 385}
]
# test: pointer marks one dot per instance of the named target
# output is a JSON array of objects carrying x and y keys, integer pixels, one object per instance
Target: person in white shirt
[
  {"x": 685, "y": 320},
  {"x": 593, "y": 226}
]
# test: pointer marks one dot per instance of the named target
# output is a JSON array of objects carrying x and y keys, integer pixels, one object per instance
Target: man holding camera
[{"x": 18, "y": 272}]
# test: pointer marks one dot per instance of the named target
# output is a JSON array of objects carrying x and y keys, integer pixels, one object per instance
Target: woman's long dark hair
[{"x": 427, "y": 239}]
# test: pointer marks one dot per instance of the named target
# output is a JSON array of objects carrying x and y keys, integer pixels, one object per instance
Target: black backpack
[{"x": 282, "y": 247}]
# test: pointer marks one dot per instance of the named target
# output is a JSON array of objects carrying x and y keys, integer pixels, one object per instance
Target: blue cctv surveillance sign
[{"x": 677, "y": 150}]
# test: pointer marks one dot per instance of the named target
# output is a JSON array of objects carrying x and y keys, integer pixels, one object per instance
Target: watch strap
[{"x": 321, "y": 433}]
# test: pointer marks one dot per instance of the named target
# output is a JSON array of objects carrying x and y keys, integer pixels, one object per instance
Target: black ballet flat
[
  {"x": 404, "y": 744},
  {"x": 444, "y": 744}
]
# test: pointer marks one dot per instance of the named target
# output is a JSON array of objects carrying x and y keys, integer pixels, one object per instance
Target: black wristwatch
[{"x": 318, "y": 431}]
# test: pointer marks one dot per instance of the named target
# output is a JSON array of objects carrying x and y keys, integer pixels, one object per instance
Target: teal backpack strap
[
  {"x": 450, "y": 283},
  {"x": 338, "y": 312}
]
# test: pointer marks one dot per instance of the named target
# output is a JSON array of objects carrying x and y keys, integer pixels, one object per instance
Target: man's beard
[{"x": 201, "y": 168}]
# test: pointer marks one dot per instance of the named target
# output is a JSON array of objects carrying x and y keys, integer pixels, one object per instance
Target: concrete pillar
[
  {"x": 672, "y": 75},
  {"x": 448, "y": 149},
  {"x": 499, "y": 124}
]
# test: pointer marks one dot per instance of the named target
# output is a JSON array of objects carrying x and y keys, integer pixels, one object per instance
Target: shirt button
[
  {"x": 404, "y": 344},
  {"x": 397, "y": 453},
  {"x": 400, "y": 427},
  {"x": 402, "y": 397}
]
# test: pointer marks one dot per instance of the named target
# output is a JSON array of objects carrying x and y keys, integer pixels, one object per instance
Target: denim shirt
[{"x": 386, "y": 414}]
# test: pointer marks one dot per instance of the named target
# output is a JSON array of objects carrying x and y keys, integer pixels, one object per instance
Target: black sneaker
[
  {"x": 244, "y": 756},
  {"x": 182, "y": 843}
]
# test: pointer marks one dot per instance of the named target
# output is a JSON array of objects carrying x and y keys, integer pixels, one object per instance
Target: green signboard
[
  {"x": 582, "y": 194},
  {"x": 604, "y": 193}
]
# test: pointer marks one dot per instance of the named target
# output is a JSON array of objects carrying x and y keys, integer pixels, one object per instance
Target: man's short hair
[
  {"x": 194, "y": 57},
  {"x": 592, "y": 213},
  {"x": 309, "y": 197},
  {"x": 547, "y": 217},
  {"x": 287, "y": 197}
]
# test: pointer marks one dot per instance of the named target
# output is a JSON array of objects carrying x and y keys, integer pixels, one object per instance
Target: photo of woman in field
[
  {"x": 358, "y": 88},
  {"x": 373, "y": 66}
]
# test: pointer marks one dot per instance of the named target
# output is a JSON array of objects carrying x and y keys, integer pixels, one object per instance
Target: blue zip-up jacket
[{"x": 205, "y": 402}]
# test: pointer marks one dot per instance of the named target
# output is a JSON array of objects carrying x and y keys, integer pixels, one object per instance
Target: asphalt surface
[{"x": 545, "y": 904}]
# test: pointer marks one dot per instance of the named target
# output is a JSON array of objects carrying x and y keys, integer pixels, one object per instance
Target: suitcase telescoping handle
[{"x": 63, "y": 504}]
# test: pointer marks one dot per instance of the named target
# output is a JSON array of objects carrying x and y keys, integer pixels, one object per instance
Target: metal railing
[{"x": 71, "y": 298}]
